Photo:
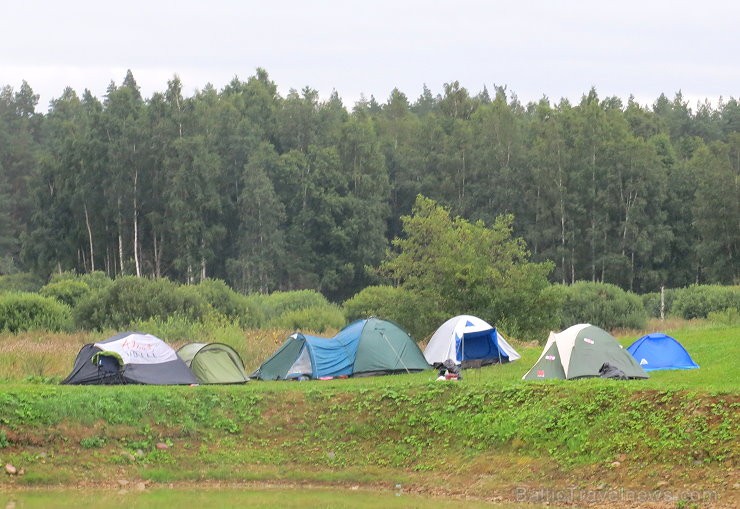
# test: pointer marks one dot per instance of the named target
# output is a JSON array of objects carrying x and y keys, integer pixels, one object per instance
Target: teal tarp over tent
[{"x": 365, "y": 347}]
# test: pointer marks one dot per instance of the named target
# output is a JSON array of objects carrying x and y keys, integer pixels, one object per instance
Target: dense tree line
[{"x": 280, "y": 193}]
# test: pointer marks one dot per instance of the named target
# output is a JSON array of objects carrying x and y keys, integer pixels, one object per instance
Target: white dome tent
[{"x": 467, "y": 340}]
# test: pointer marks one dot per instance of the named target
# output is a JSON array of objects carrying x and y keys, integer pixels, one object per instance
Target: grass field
[{"x": 484, "y": 437}]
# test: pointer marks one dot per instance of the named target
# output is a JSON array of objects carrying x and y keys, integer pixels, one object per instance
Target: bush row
[
  {"x": 96, "y": 302},
  {"x": 696, "y": 301}
]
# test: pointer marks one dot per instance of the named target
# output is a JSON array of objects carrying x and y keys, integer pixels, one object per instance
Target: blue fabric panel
[
  {"x": 479, "y": 345},
  {"x": 660, "y": 351},
  {"x": 335, "y": 356}
]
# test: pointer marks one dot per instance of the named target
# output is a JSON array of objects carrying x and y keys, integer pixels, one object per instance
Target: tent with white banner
[
  {"x": 130, "y": 358},
  {"x": 468, "y": 340}
]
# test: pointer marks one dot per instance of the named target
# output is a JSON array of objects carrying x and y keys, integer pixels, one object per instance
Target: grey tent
[
  {"x": 130, "y": 358},
  {"x": 214, "y": 363}
]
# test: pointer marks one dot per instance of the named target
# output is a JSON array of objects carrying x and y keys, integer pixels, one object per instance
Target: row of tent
[
  {"x": 363, "y": 348},
  {"x": 371, "y": 347},
  {"x": 136, "y": 358}
]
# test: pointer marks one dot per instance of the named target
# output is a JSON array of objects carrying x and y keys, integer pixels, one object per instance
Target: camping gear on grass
[
  {"x": 449, "y": 371},
  {"x": 660, "y": 351},
  {"x": 130, "y": 358},
  {"x": 580, "y": 351},
  {"x": 213, "y": 363},
  {"x": 363, "y": 348},
  {"x": 609, "y": 371},
  {"x": 469, "y": 341}
]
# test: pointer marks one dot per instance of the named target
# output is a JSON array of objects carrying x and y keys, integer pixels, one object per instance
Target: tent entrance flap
[
  {"x": 302, "y": 365},
  {"x": 479, "y": 345}
]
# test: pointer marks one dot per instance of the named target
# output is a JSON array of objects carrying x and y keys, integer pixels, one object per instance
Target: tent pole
[
  {"x": 394, "y": 350},
  {"x": 462, "y": 360}
]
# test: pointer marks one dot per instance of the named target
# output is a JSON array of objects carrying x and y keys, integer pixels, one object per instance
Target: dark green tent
[
  {"x": 213, "y": 363},
  {"x": 363, "y": 348}
]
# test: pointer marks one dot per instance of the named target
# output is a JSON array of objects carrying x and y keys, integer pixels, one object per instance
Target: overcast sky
[{"x": 557, "y": 48}]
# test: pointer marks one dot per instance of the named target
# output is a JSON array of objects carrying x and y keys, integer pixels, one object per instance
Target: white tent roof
[
  {"x": 442, "y": 345},
  {"x": 136, "y": 348}
]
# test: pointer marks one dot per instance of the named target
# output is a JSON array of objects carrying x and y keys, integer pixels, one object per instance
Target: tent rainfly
[
  {"x": 130, "y": 358},
  {"x": 580, "y": 351},
  {"x": 363, "y": 348},
  {"x": 213, "y": 363},
  {"x": 468, "y": 340},
  {"x": 660, "y": 351}
]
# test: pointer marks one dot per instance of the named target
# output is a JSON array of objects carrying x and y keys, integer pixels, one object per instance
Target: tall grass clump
[
  {"x": 29, "y": 311},
  {"x": 601, "y": 304},
  {"x": 729, "y": 317}
]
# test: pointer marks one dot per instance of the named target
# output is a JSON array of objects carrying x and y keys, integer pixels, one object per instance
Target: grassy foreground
[{"x": 672, "y": 438}]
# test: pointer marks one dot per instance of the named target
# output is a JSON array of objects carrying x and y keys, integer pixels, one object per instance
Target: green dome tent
[
  {"x": 363, "y": 348},
  {"x": 213, "y": 363},
  {"x": 581, "y": 351}
]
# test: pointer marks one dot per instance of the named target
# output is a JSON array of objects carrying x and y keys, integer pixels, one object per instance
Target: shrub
[
  {"x": 28, "y": 311},
  {"x": 315, "y": 319},
  {"x": 95, "y": 280},
  {"x": 651, "y": 302},
  {"x": 601, "y": 304},
  {"x": 172, "y": 328},
  {"x": 278, "y": 303},
  {"x": 130, "y": 299},
  {"x": 214, "y": 328},
  {"x": 698, "y": 301},
  {"x": 67, "y": 291},
  {"x": 392, "y": 303},
  {"x": 21, "y": 282},
  {"x": 235, "y": 306}
]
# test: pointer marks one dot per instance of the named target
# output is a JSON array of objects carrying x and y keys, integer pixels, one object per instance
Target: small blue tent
[{"x": 660, "y": 351}]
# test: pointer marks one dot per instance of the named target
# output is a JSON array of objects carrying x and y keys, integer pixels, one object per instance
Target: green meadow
[{"x": 483, "y": 437}]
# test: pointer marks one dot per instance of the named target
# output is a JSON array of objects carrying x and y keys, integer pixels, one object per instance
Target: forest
[{"x": 273, "y": 193}]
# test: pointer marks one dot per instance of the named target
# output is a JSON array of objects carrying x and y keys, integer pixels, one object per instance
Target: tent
[
  {"x": 382, "y": 347},
  {"x": 468, "y": 340},
  {"x": 130, "y": 358},
  {"x": 580, "y": 351},
  {"x": 660, "y": 351},
  {"x": 365, "y": 347},
  {"x": 213, "y": 363}
]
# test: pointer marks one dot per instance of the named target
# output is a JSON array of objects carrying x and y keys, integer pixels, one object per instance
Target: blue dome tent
[{"x": 659, "y": 351}]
